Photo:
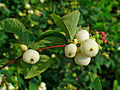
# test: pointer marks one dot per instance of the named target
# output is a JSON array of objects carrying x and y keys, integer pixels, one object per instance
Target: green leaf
[
  {"x": 35, "y": 69},
  {"x": 52, "y": 33},
  {"x": 59, "y": 22},
  {"x": 95, "y": 81},
  {"x": 33, "y": 85},
  {"x": 71, "y": 21},
  {"x": 68, "y": 23},
  {"x": 12, "y": 25},
  {"x": 115, "y": 85},
  {"x": 55, "y": 40},
  {"x": 40, "y": 44},
  {"x": 53, "y": 37},
  {"x": 3, "y": 61},
  {"x": 35, "y": 1}
]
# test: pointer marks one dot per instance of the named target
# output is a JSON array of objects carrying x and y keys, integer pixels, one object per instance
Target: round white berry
[
  {"x": 31, "y": 56},
  {"x": 40, "y": 88},
  {"x": 70, "y": 50},
  {"x": 81, "y": 59},
  {"x": 10, "y": 87},
  {"x": 89, "y": 48},
  {"x": 42, "y": 85},
  {"x": 42, "y": 1},
  {"x": 82, "y": 35},
  {"x": 30, "y": 12},
  {"x": 23, "y": 47},
  {"x": 27, "y": 6},
  {"x": 44, "y": 88}
]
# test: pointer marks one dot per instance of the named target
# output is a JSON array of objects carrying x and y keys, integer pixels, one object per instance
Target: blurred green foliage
[{"x": 99, "y": 15}]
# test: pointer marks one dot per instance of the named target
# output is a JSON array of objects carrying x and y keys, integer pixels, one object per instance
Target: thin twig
[{"x": 36, "y": 50}]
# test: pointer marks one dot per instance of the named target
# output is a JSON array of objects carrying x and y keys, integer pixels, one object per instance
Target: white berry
[
  {"x": 82, "y": 35},
  {"x": 70, "y": 50},
  {"x": 10, "y": 87},
  {"x": 89, "y": 48},
  {"x": 31, "y": 56},
  {"x": 81, "y": 59},
  {"x": 27, "y": 6},
  {"x": 39, "y": 88},
  {"x": 43, "y": 84},
  {"x": 30, "y": 12},
  {"x": 23, "y": 47}
]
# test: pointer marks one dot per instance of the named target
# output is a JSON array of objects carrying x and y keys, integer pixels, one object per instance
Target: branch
[{"x": 36, "y": 50}]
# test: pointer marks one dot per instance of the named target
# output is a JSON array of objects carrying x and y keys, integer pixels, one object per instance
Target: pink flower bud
[
  {"x": 40, "y": 13},
  {"x": 75, "y": 88},
  {"x": 105, "y": 35},
  {"x": 68, "y": 64},
  {"x": 4, "y": 77},
  {"x": 103, "y": 38},
  {"x": 76, "y": 79},
  {"x": 104, "y": 41},
  {"x": 102, "y": 33}
]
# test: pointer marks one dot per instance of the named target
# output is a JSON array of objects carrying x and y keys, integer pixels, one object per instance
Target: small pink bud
[
  {"x": 75, "y": 88},
  {"x": 103, "y": 38},
  {"x": 40, "y": 13},
  {"x": 99, "y": 32},
  {"x": 102, "y": 33},
  {"x": 104, "y": 41},
  {"x": 113, "y": 44},
  {"x": 76, "y": 79},
  {"x": 69, "y": 64},
  {"x": 4, "y": 77},
  {"x": 105, "y": 35}
]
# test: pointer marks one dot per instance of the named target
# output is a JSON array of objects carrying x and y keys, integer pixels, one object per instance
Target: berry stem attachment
[{"x": 36, "y": 50}]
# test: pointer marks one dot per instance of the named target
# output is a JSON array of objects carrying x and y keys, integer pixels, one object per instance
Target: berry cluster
[
  {"x": 103, "y": 36},
  {"x": 83, "y": 50}
]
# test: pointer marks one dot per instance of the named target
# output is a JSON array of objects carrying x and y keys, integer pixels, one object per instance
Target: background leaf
[
  {"x": 95, "y": 81},
  {"x": 12, "y": 25}
]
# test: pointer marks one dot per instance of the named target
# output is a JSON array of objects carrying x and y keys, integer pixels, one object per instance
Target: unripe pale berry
[
  {"x": 31, "y": 56},
  {"x": 75, "y": 41},
  {"x": 39, "y": 88},
  {"x": 30, "y": 12},
  {"x": 81, "y": 59},
  {"x": 10, "y": 87},
  {"x": 27, "y": 6},
  {"x": 89, "y": 48},
  {"x": 23, "y": 47},
  {"x": 42, "y": 85},
  {"x": 70, "y": 50},
  {"x": 82, "y": 35}
]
